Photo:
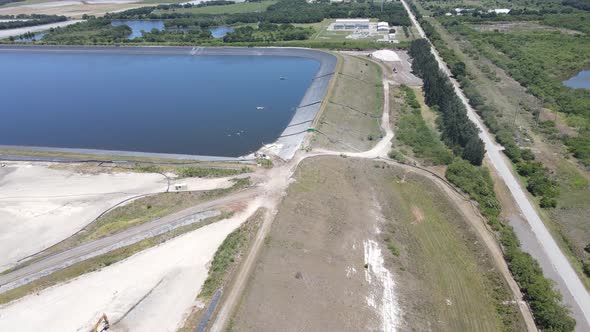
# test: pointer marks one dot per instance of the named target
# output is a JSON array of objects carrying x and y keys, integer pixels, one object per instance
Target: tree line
[
  {"x": 458, "y": 132},
  {"x": 539, "y": 181},
  {"x": 30, "y": 20},
  {"x": 268, "y": 32},
  {"x": 3, "y": 2},
  {"x": 284, "y": 11},
  {"x": 545, "y": 302}
]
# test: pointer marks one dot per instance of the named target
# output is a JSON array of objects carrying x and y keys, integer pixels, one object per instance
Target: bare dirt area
[
  {"x": 362, "y": 245},
  {"x": 74, "y": 8},
  {"x": 40, "y": 206},
  {"x": 151, "y": 291},
  {"x": 397, "y": 62}
]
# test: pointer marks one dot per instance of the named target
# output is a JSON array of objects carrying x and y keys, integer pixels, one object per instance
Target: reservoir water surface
[{"x": 226, "y": 105}]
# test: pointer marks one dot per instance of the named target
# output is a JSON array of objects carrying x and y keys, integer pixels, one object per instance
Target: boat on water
[{"x": 260, "y": 107}]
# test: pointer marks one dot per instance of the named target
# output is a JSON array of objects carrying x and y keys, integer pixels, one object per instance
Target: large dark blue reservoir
[{"x": 226, "y": 105}]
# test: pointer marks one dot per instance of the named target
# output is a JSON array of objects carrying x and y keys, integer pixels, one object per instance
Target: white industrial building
[
  {"x": 499, "y": 11},
  {"x": 382, "y": 27},
  {"x": 351, "y": 24}
]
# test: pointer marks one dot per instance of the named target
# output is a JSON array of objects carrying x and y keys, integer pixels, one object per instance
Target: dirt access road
[{"x": 573, "y": 284}]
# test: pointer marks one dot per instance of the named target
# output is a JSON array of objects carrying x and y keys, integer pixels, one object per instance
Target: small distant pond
[
  {"x": 137, "y": 26},
  {"x": 36, "y": 37},
  {"x": 220, "y": 32},
  {"x": 580, "y": 81}
]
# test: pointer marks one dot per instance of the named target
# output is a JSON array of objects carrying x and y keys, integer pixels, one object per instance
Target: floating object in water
[
  {"x": 283, "y": 78},
  {"x": 260, "y": 107}
]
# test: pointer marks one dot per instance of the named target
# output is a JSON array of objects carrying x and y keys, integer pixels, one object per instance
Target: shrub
[
  {"x": 527, "y": 154},
  {"x": 477, "y": 183}
]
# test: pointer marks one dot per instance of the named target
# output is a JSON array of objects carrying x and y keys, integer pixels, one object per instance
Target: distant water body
[
  {"x": 181, "y": 104},
  {"x": 137, "y": 26},
  {"x": 580, "y": 81}
]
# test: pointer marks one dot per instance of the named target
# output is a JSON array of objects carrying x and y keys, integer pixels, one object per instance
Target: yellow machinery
[{"x": 102, "y": 324}]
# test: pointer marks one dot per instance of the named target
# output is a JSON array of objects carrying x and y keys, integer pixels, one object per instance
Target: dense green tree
[
  {"x": 457, "y": 130},
  {"x": 474, "y": 151}
]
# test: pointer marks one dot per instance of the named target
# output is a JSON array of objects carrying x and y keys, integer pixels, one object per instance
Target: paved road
[
  {"x": 58, "y": 261},
  {"x": 556, "y": 257}
]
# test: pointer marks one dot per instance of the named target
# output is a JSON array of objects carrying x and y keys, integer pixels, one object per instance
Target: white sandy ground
[
  {"x": 197, "y": 184},
  {"x": 174, "y": 272},
  {"x": 40, "y": 206},
  {"x": 37, "y": 28},
  {"x": 386, "y": 55}
]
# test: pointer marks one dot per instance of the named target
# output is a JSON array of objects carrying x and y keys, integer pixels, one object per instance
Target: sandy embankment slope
[
  {"x": 177, "y": 270},
  {"x": 40, "y": 206}
]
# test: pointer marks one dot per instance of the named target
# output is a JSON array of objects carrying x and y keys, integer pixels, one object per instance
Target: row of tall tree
[
  {"x": 284, "y": 11},
  {"x": 31, "y": 20},
  {"x": 458, "y": 132}
]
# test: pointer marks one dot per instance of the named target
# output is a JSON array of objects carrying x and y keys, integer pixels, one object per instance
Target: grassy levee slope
[
  {"x": 313, "y": 261},
  {"x": 225, "y": 265},
  {"x": 351, "y": 117}
]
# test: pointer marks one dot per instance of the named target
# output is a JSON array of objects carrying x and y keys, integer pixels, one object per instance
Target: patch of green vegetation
[
  {"x": 99, "y": 262},
  {"x": 446, "y": 253},
  {"x": 236, "y": 8},
  {"x": 264, "y": 162},
  {"x": 149, "y": 208},
  {"x": 413, "y": 131},
  {"x": 539, "y": 61},
  {"x": 545, "y": 302},
  {"x": 348, "y": 121},
  {"x": 478, "y": 184},
  {"x": 191, "y": 25},
  {"x": 268, "y": 32},
  {"x": 397, "y": 156},
  {"x": 457, "y": 131},
  {"x": 392, "y": 247},
  {"x": 229, "y": 252},
  {"x": 93, "y": 31},
  {"x": 192, "y": 171}
]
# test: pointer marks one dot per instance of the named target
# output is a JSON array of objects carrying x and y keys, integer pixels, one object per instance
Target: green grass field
[
  {"x": 242, "y": 7},
  {"x": 448, "y": 259},
  {"x": 354, "y": 109}
]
